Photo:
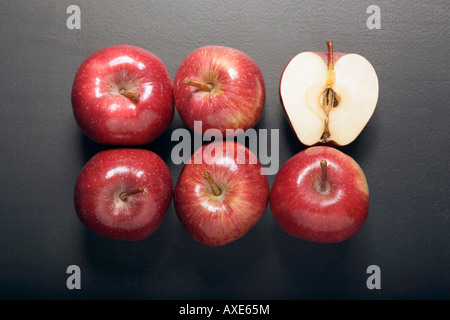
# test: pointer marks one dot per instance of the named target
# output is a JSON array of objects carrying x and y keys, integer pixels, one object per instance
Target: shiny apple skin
[
  {"x": 219, "y": 220},
  {"x": 304, "y": 212},
  {"x": 111, "y": 172},
  {"x": 237, "y": 102},
  {"x": 106, "y": 116}
]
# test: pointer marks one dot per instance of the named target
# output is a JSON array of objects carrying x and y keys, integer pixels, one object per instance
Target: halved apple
[{"x": 329, "y": 97}]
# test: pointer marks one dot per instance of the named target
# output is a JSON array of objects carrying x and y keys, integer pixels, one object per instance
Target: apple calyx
[
  {"x": 133, "y": 96},
  {"x": 323, "y": 186},
  {"x": 216, "y": 191},
  {"x": 329, "y": 97},
  {"x": 126, "y": 194}
]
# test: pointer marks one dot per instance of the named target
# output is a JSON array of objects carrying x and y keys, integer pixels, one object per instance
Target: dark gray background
[{"x": 403, "y": 151}]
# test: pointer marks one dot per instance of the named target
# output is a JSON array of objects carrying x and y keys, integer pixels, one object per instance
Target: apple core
[{"x": 329, "y": 98}]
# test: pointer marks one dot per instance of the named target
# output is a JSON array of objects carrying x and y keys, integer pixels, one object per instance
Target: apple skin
[
  {"x": 218, "y": 220},
  {"x": 238, "y": 98},
  {"x": 108, "y": 117},
  {"x": 324, "y": 217},
  {"x": 336, "y": 56},
  {"x": 109, "y": 173}
]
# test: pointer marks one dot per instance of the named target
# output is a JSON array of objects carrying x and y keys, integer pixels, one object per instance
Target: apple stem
[
  {"x": 134, "y": 96},
  {"x": 330, "y": 54},
  {"x": 203, "y": 86},
  {"x": 323, "y": 182},
  {"x": 124, "y": 195},
  {"x": 215, "y": 188}
]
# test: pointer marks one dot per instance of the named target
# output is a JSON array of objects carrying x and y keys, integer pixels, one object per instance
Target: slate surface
[{"x": 403, "y": 151}]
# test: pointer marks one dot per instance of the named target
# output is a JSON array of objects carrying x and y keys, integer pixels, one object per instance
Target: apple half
[{"x": 329, "y": 97}]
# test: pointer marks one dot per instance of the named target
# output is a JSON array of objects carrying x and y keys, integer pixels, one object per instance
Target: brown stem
[
  {"x": 124, "y": 195},
  {"x": 134, "y": 96},
  {"x": 203, "y": 86},
  {"x": 330, "y": 54},
  {"x": 215, "y": 188},
  {"x": 323, "y": 182}
]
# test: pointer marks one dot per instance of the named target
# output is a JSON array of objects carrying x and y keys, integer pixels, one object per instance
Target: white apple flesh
[{"x": 329, "y": 97}]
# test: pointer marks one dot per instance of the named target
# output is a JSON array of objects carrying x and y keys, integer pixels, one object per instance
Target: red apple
[
  {"x": 328, "y": 97},
  {"x": 221, "y": 197},
  {"x": 321, "y": 195},
  {"x": 220, "y": 86},
  {"x": 123, "y": 193},
  {"x": 122, "y": 95}
]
